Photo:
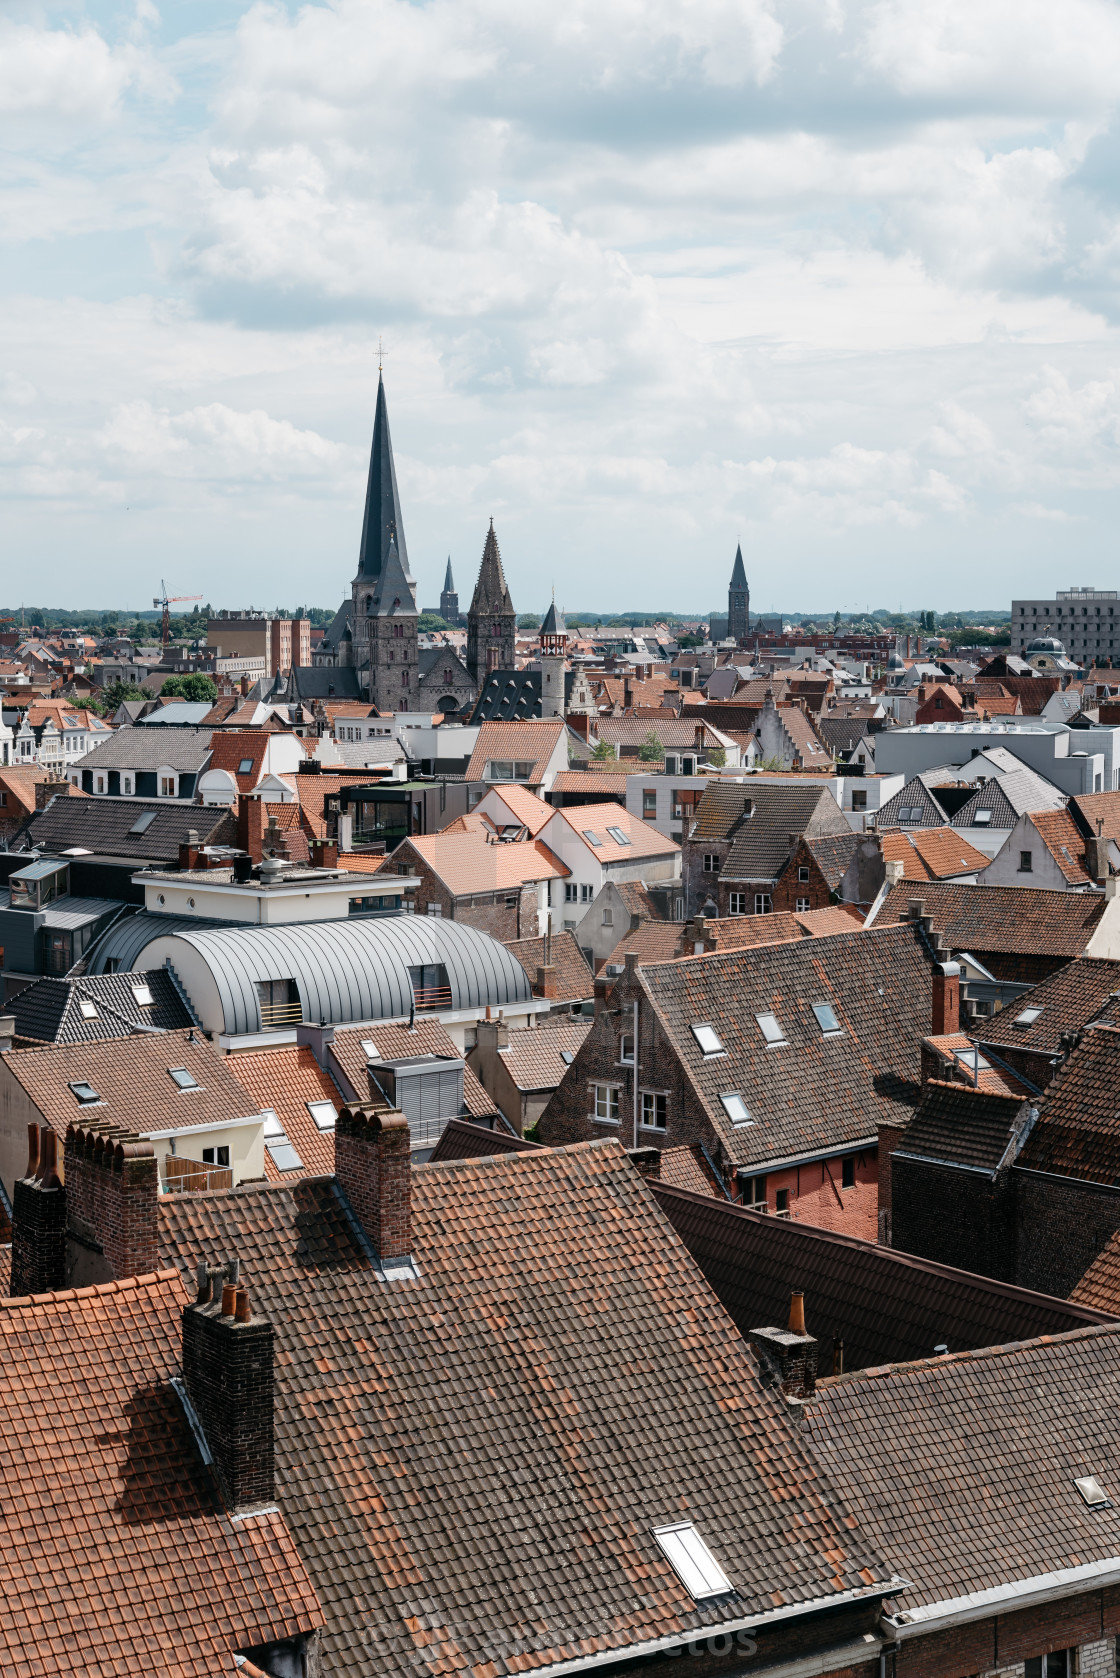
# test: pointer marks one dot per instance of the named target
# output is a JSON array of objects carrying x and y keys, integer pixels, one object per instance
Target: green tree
[
  {"x": 199, "y": 689},
  {"x": 529, "y": 620},
  {"x": 686, "y": 641},
  {"x": 650, "y": 750},
  {"x": 116, "y": 693},
  {"x": 429, "y": 621},
  {"x": 603, "y": 753},
  {"x": 717, "y": 758}
]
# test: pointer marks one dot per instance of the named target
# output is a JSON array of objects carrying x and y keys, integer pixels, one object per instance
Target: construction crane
[{"x": 167, "y": 601}]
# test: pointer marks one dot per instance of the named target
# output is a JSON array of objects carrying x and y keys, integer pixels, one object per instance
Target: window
[
  {"x": 763, "y": 903},
  {"x": 591, "y": 837},
  {"x": 708, "y": 1039},
  {"x": 398, "y": 631},
  {"x": 216, "y": 1156},
  {"x": 781, "y": 1203},
  {"x": 649, "y": 804},
  {"x": 711, "y": 863},
  {"x": 435, "y": 910},
  {"x": 1054, "y": 1665},
  {"x": 606, "y": 1103},
  {"x": 608, "y": 917},
  {"x": 1093, "y": 1492},
  {"x": 184, "y": 1079},
  {"x": 770, "y": 1027},
  {"x": 909, "y": 814},
  {"x": 245, "y": 767},
  {"x": 981, "y": 818},
  {"x": 88, "y": 1009},
  {"x": 85, "y": 1093},
  {"x": 848, "y": 1173},
  {"x": 167, "y": 786},
  {"x": 370, "y": 1049},
  {"x": 736, "y": 1108},
  {"x": 737, "y": 903},
  {"x": 143, "y": 823},
  {"x": 618, "y": 836},
  {"x": 693, "y": 1562},
  {"x": 802, "y": 905},
  {"x": 626, "y": 1048},
  {"x": 323, "y": 1113},
  {"x": 571, "y": 892},
  {"x": 101, "y": 783},
  {"x": 1026, "y": 863},
  {"x": 143, "y": 996},
  {"x": 803, "y": 876},
  {"x": 826, "y": 1018},
  {"x": 859, "y": 798},
  {"x": 587, "y": 894},
  {"x": 127, "y": 784},
  {"x": 654, "y": 1110},
  {"x": 1027, "y": 1017}
]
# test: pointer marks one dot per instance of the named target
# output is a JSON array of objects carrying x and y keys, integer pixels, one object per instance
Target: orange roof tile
[
  {"x": 469, "y": 862},
  {"x": 530, "y": 810},
  {"x": 361, "y": 862},
  {"x": 1062, "y": 838},
  {"x": 933, "y": 853},
  {"x": 598, "y": 818},
  {"x": 533, "y": 741},
  {"x": 397, "y": 1042},
  {"x": 286, "y": 1080}
]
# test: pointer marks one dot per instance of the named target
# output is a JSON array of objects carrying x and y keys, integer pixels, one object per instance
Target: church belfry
[
  {"x": 738, "y": 601},
  {"x": 449, "y": 598},
  {"x": 491, "y": 621},
  {"x": 384, "y": 615}
]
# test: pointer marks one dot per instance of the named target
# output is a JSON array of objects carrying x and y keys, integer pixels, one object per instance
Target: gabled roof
[
  {"x": 1062, "y": 838},
  {"x": 1001, "y": 919},
  {"x": 760, "y": 841},
  {"x": 470, "y": 862},
  {"x": 885, "y": 1306},
  {"x": 833, "y": 853},
  {"x": 527, "y": 1527},
  {"x": 600, "y": 818},
  {"x": 1077, "y": 993},
  {"x": 491, "y": 594},
  {"x": 186, "y": 750},
  {"x": 963, "y": 1126},
  {"x": 572, "y": 978},
  {"x": 1078, "y": 1129},
  {"x": 107, "y": 827},
  {"x": 50, "y": 1010},
  {"x": 285, "y": 1080},
  {"x": 532, "y": 740},
  {"x": 1093, "y": 809},
  {"x": 394, "y": 592},
  {"x": 397, "y": 1042},
  {"x": 530, "y": 810},
  {"x": 230, "y": 750},
  {"x": 936, "y": 853},
  {"x": 381, "y": 519},
  {"x": 106, "y": 1497},
  {"x": 1099, "y": 1288},
  {"x": 1024, "y": 790},
  {"x": 535, "y": 1059}
]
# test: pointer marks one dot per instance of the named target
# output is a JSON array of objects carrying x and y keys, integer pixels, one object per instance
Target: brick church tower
[{"x": 491, "y": 621}]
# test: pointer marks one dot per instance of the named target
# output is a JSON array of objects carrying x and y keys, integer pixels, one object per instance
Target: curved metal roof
[
  {"x": 347, "y": 971},
  {"x": 124, "y": 941}
]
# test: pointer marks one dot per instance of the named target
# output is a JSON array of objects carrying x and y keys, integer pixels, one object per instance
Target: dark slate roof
[
  {"x": 1078, "y": 1129},
  {"x": 963, "y": 1126},
  {"x": 962, "y": 1467},
  {"x": 816, "y": 1091},
  {"x": 185, "y": 750},
  {"x": 738, "y": 570},
  {"x": 460, "y": 1139},
  {"x": 842, "y": 734},
  {"x": 1017, "y": 793},
  {"x": 510, "y": 695},
  {"x": 50, "y": 1010},
  {"x": 915, "y": 795},
  {"x": 448, "y": 579},
  {"x": 394, "y": 592},
  {"x": 1003, "y": 919},
  {"x": 323, "y": 681},
  {"x": 1069, "y": 999},
  {"x": 553, "y": 621},
  {"x": 833, "y": 853},
  {"x": 474, "y": 1438},
  {"x": 104, "y": 826},
  {"x": 339, "y": 627},
  {"x": 491, "y": 593},
  {"x": 760, "y": 845},
  {"x": 886, "y": 1306},
  {"x": 381, "y": 519}
]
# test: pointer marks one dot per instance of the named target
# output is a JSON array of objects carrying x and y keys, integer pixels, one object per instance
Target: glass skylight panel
[
  {"x": 88, "y": 1009},
  {"x": 692, "y": 1561},
  {"x": 826, "y": 1017},
  {"x": 143, "y": 822},
  {"x": 272, "y": 1125},
  {"x": 185, "y": 1080},
  {"x": 245, "y": 767},
  {"x": 370, "y": 1049},
  {"x": 284, "y": 1156},
  {"x": 567, "y": 1056},
  {"x": 592, "y": 838},
  {"x": 708, "y": 1039},
  {"x": 84, "y": 1092},
  {"x": 324, "y": 1113},
  {"x": 1027, "y": 1016},
  {"x": 770, "y": 1027},
  {"x": 143, "y": 996},
  {"x": 618, "y": 836},
  {"x": 1093, "y": 1492},
  {"x": 981, "y": 818},
  {"x": 736, "y": 1108}
]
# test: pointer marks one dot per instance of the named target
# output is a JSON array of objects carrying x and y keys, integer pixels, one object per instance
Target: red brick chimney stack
[
  {"x": 228, "y": 1359},
  {"x": 113, "y": 1187},
  {"x": 946, "y": 998},
  {"x": 374, "y": 1171},
  {"x": 39, "y": 1220}
]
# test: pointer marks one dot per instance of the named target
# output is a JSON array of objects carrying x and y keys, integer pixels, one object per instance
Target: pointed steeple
[
  {"x": 553, "y": 622},
  {"x": 739, "y": 573},
  {"x": 382, "y": 519},
  {"x": 491, "y": 594},
  {"x": 393, "y": 595},
  {"x": 449, "y": 581}
]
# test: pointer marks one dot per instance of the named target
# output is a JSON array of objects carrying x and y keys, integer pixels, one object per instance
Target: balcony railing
[
  {"x": 276, "y": 1014},
  {"x": 432, "y": 996},
  {"x": 192, "y": 1176}
]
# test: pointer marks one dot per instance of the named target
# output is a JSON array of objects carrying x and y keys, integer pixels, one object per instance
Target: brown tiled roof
[
  {"x": 286, "y": 1080},
  {"x": 229, "y": 749},
  {"x": 396, "y": 1042},
  {"x": 743, "y": 932},
  {"x": 470, "y": 862},
  {"x": 19, "y": 782},
  {"x": 1069, "y": 999},
  {"x": 1099, "y": 1288},
  {"x": 672, "y": 734},
  {"x": 644, "y": 839},
  {"x": 886, "y": 1306},
  {"x": 609, "y": 779},
  {"x": 131, "y": 1076},
  {"x": 1012, "y": 919},
  {"x": 465, "y": 1139},
  {"x": 524, "y": 1523},
  {"x": 652, "y": 941},
  {"x": 963, "y": 1466},
  {"x": 635, "y": 895},
  {"x": 688, "y": 1167},
  {"x": 963, "y": 1126},
  {"x": 118, "y": 1557},
  {"x": 1078, "y": 1129},
  {"x": 1102, "y": 807},
  {"x": 573, "y": 978},
  {"x": 534, "y": 740},
  {"x": 931, "y": 853},
  {"x": 1059, "y": 833},
  {"x": 816, "y": 1091},
  {"x": 833, "y": 853},
  {"x": 361, "y": 862},
  {"x": 534, "y": 1058},
  {"x": 822, "y": 923},
  {"x": 530, "y": 810},
  {"x": 760, "y": 845}
]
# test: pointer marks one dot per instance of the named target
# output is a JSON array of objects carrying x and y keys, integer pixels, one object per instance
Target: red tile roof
[
  {"x": 1062, "y": 838},
  {"x": 931, "y": 853},
  {"x": 286, "y": 1080},
  {"x": 572, "y": 978},
  {"x": 533, "y": 741},
  {"x": 534, "y": 1058},
  {"x": 597, "y": 818},
  {"x": 469, "y": 862}
]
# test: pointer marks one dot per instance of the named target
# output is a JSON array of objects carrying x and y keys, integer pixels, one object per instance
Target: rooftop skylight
[
  {"x": 592, "y": 838},
  {"x": 770, "y": 1027},
  {"x": 736, "y": 1108},
  {"x": 324, "y": 1113},
  {"x": 1093, "y": 1492},
  {"x": 708, "y": 1039},
  {"x": 370, "y": 1049},
  {"x": 280, "y": 1149},
  {"x": 1027, "y": 1016},
  {"x": 692, "y": 1561},
  {"x": 184, "y": 1079},
  {"x": 826, "y": 1018},
  {"x": 143, "y": 821},
  {"x": 85, "y": 1093},
  {"x": 245, "y": 767},
  {"x": 88, "y": 1009},
  {"x": 618, "y": 836},
  {"x": 143, "y": 996}
]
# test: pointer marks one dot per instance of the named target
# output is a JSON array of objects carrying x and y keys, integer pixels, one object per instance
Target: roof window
[
  {"x": 245, "y": 767},
  {"x": 567, "y": 1056},
  {"x": 88, "y": 1009},
  {"x": 981, "y": 818},
  {"x": 143, "y": 996},
  {"x": 1093, "y": 1492},
  {"x": 370, "y": 1049},
  {"x": 736, "y": 1108},
  {"x": 184, "y": 1079},
  {"x": 708, "y": 1039},
  {"x": 826, "y": 1018},
  {"x": 771, "y": 1029},
  {"x": 618, "y": 836},
  {"x": 324, "y": 1113},
  {"x": 692, "y": 1561},
  {"x": 85, "y": 1093},
  {"x": 1027, "y": 1016},
  {"x": 592, "y": 838},
  {"x": 143, "y": 821}
]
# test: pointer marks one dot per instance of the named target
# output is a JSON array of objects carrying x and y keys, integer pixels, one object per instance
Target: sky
[{"x": 835, "y": 280}]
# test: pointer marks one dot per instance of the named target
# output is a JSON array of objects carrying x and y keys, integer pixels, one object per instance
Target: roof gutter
[
  {"x": 749, "y": 1622},
  {"x": 756, "y": 1169},
  {"x": 1019, "y": 1593}
]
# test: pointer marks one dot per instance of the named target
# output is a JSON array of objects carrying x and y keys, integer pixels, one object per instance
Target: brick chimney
[
  {"x": 188, "y": 851},
  {"x": 946, "y": 998},
  {"x": 548, "y": 982},
  {"x": 788, "y": 1356},
  {"x": 48, "y": 789},
  {"x": 39, "y": 1219},
  {"x": 228, "y": 1375},
  {"x": 113, "y": 1191},
  {"x": 374, "y": 1171},
  {"x": 647, "y": 1161},
  {"x": 250, "y": 826},
  {"x": 322, "y": 853},
  {"x": 1097, "y": 864}
]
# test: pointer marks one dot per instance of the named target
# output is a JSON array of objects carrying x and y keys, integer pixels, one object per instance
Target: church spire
[
  {"x": 491, "y": 593},
  {"x": 449, "y": 581},
  {"x": 382, "y": 521},
  {"x": 738, "y": 600},
  {"x": 739, "y": 573}
]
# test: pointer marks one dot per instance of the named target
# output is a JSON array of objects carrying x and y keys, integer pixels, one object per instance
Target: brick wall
[
  {"x": 228, "y": 1373},
  {"x": 817, "y": 1196},
  {"x": 38, "y": 1238},
  {"x": 112, "y": 1206},
  {"x": 373, "y": 1167},
  {"x": 503, "y": 914},
  {"x": 955, "y": 1217},
  {"x": 790, "y": 888},
  {"x": 1060, "y": 1229},
  {"x": 699, "y": 886}
]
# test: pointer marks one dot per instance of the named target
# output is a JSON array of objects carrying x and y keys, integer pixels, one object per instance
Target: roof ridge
[
  {"x": 945, "y": 1359},
  {"x": 126, "y": 1284}
]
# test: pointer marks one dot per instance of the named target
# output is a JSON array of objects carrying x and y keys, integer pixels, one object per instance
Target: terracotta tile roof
[
  {"x": 1102, "y": 807},
  {"x": 931, "y": 853},
  {"x": 535, "y": 1058},
  {"x": 652, "y": 941},
  {"x": 636, "y": 897},
  {"x": 1068, "y": 999},
  {"x": 228, "y": 750},
  {"x": 822, "y": 923},
  {"x": 886, "y": 1306},
  {"x": 1059, "y": 833},
  {"x": 690, "y": 1168},
  {"x": 530, "y": 1529},
  {"x": 469, "y": 862},
  {"x": 286, "y": 1080},
  {"x": 19, "y": 783},
  {"x": 956, "y": 1052},
  {"x": 598, "y": 818},
  {"x": 964, "y": 1126},
  {"x": 743, "y": 932},
  {"x": 463, "y": 1139},
  {"x": 131, "y": 1076},
  {"x": 958, "y": 1467},
  {"x": 673, "y": 735},
  {"x": 611, "y": 778},
  {"x": 396, "y": 1042},
  {"x": 530, "y": 810},
  {"x": 1005, "y": 919},
  {"x": 105, "y": 1496},
  {"x": 1078, "y": 1129},
  {"x": 1099, "y": 1288},
  {"x": 534, "y": 740},
  {"x": 760, "y": 841},
  {"x": 573, "y": 978},
  {"x": 361, "y": 862}
]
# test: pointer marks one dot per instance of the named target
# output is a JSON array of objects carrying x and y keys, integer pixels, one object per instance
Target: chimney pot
[
  {"x": 797, "y": 1312},
  {"x": 242, "y": 1313},
  {"x": 32, "y": 1151},
  {"x": 229, "y": 1299}
]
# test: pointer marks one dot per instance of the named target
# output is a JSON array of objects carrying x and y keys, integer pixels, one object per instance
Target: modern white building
[
  {"x": 1077, "y": 760},
  {"x": 1085, "y": 620}
]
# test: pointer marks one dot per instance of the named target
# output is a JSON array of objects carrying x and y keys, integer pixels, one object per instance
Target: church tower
[
  {"x": 738, "y": 601},
  {"x": 491, "y": 621},
  {"x": 449, "y": 599},
  {"x": 553, "y": 641},
  {"x": 384, "y": 616}
]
